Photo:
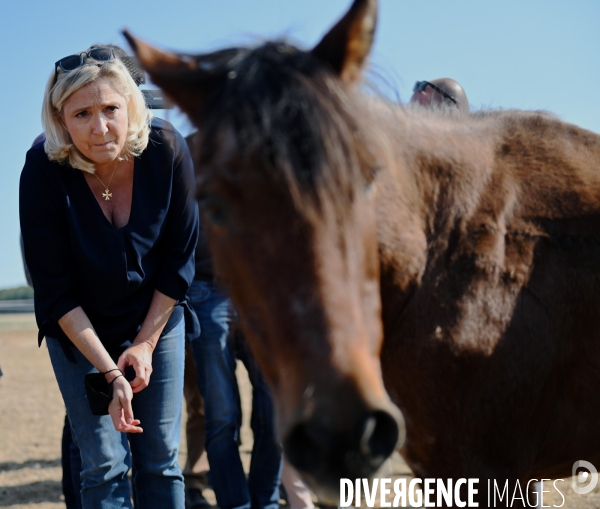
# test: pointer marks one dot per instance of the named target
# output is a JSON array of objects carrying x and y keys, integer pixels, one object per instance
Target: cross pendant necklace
[{"x": 107, "y": 195}]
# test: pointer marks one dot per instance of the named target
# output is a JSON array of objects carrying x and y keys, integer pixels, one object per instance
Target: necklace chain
[{"x": 107, "y": 195}]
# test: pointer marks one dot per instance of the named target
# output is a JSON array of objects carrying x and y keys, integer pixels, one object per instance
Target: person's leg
[
  {"x": 68, "y": 489},
  {"x": 156, "y": 474},
  {"x": 196, "y": 466},
  {"x": 75, "y": 470},
  {"x": 267, "y": 456},
  {"x": 215, "y": 367},
  {"x": 298, "y": 494},
  {"x": 104, "y": 451},
  {"x": 71, "y": 467}
]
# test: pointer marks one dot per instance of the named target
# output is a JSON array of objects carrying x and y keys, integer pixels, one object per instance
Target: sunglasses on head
[
  {"x": 420, "y": 86},
  {"x": 72, "y": 62}
]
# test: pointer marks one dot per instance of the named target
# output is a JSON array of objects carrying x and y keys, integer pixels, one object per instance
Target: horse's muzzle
[{"x": 324, "y": 452}]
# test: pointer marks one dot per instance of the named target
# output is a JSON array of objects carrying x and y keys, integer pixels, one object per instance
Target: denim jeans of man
[
  {"x": 106, "y": 454},
  {"x": 215, "y": 367},
  {"x": 266, "y": 462}
]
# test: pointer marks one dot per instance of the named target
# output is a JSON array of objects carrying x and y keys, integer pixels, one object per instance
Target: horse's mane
[
  {"x": 294, "y": 121},
  {"x": 286, "y": 107}
]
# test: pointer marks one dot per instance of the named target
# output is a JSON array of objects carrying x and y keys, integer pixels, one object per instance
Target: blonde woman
[{"x": 109, "y": 225}]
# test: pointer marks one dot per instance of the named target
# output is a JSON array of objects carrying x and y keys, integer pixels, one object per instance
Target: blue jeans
[
  {"x": 215, "y": 368},
  {"x": 106, "y": 454},
  {"x": 71, "y": 466}
]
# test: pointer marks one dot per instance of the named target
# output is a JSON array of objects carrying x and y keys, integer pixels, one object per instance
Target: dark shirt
[
  {"x": 78, "y": 258},
  {"x": 204, "y": 267}
]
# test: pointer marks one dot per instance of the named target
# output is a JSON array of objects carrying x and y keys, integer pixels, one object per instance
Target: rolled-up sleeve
[
  {"x": 43, "y": 215},
  {"x": 180, "y": 237}
]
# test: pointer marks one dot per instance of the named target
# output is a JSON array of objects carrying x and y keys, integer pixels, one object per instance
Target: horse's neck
[
  {"x": 459, "y": 186},
  {"x": 428, "y": 179},
  {"x": 402, "y": 243}
]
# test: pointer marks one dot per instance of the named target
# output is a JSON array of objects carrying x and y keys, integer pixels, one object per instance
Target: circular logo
[{"x": 584, "y": 481}]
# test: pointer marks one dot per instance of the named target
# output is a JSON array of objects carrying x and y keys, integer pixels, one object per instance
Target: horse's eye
[{"x": 214, "y": 210}]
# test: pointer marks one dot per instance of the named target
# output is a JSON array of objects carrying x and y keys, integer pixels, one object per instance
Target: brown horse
[{"x": 455, "y": 256}]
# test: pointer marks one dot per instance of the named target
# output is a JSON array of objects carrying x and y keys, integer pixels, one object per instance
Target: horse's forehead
[
  {"x": 226, "y": 146},
  {"x": 225, "y": 158},
  {"x": 218, "y": 154}
]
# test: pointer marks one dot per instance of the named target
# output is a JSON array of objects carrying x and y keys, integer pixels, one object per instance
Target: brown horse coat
[
  {"x": 470, "y": 243},
  {"x": 491, "y": 336}
]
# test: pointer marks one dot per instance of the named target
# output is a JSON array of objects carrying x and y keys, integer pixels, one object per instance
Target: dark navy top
[
  {"x": 76, "y": 257},
  {"x": 204, "y": 267}
]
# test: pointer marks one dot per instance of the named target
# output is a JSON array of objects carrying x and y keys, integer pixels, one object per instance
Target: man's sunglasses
[
  {"x": 420, "y": 86},
  {"x": 72, "y": 62}
]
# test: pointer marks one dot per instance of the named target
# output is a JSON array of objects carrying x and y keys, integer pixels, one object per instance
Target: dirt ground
[{"x": 32, "y": 414}]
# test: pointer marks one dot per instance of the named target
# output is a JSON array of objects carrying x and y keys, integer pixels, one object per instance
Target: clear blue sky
[{"x": 529, "y": 54}]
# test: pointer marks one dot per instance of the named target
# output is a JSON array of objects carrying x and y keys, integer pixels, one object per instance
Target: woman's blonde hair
[{"x": 59, "y": 145}]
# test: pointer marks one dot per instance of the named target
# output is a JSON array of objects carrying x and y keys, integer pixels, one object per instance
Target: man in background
[{"x": 440, "y": 92}]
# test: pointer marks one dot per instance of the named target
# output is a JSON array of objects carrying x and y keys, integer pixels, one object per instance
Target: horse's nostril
[
  {"x": 365, "y": 446},
  {"x": 302, "y": 450},
  {"x": 379, "y": 437},
  {"x": 316, "y": 449}
]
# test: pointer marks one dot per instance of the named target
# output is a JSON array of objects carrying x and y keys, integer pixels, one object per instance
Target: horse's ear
[
  {"x": 180, "y": 78},
  {"x": 347, "y": 45}
]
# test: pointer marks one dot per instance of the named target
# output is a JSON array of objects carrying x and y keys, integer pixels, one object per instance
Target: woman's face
[{"x": 96, "y": 118}]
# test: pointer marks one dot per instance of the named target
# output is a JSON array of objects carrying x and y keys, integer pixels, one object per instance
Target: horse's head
[{"x": 283, "y": 174}]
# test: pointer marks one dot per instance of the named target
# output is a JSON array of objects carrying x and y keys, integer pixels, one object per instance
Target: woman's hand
[
  {"x": 139, "y": 356},
  {"x": 120, "y": 410}
]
